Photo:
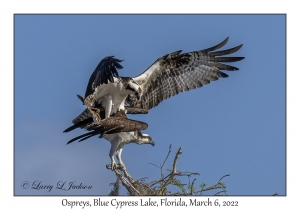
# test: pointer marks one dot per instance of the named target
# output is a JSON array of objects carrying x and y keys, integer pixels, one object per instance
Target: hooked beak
[{"x": 152, "y": 143}]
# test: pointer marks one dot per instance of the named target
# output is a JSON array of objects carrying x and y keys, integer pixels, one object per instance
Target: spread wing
[
  {"x": 104, "y": 72},
  {"x": 175, "y": 73},
  {"x": 86, "y": 118},
  {"x": 116, "y": 124}
]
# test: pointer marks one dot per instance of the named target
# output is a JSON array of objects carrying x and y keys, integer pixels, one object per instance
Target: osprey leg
[
  {"x": 114, "y": 145},
  {"x": 119, "y": 153},
  {"x": 108, "y": 107}
]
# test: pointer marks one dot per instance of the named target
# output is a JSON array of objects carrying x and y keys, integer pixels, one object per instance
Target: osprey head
[
  {"x": 144, "y": 139},
  {"x": 133, "y": 86}
]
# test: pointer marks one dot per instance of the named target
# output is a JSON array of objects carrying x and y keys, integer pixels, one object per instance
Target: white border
[{"x": 9, "y": 8}]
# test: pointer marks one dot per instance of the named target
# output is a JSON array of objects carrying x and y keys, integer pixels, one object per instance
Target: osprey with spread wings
[
  {"x": 169, "y": 75},
  {"x": 109, "y": 94}
]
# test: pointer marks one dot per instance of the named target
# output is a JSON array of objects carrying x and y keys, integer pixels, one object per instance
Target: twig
[
  {"x": 223, "y": 177},
  {"x": 176, "y": 158},
  {"x": 188, "y": 174},
  {"x": 221, "y": 192},
  {"x": 192, "y": 186},
  {"x": 161, "y": 167},
  {"x": 157, "y": 181},
  {"x": 116, "y": 188},
  {"x": 170, "y": 149},
  {"x": 142, "y": 179},
  {"x": 141, "y": 188},
  {"x": 173, "y": 173},
  {"x": 154, "y": 165}
]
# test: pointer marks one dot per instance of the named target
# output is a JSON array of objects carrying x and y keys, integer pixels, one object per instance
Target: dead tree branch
[{"x": 139, "y": 187}]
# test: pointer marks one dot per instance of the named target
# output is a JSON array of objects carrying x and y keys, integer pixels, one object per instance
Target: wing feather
[
  {"x": 174, "y": 73},
  {"x": 218, "y": 46},
  {"x": 105, "y": 71},
  {"x": 115, "y": 124},
  {"x": 225, "y": 52}
]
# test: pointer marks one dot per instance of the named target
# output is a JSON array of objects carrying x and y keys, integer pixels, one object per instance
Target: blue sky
[{"x": 231, "y": 126}]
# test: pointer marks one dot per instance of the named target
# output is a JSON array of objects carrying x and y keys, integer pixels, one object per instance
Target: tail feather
[
  {"x": 90, "y": 134},
  {"x": 80, "y": 124},
  {"x": 88, "y": 137}
]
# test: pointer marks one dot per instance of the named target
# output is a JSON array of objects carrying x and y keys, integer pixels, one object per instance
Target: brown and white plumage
[
  {"x": 117, "y": 129},
  {"x": 114, "y": 124},
  {"x": 88, "y": 117},
  {"x": 174, "y": 73},
  {"x": 105, "y": 72},
  {"x": 169, "y": 75}
]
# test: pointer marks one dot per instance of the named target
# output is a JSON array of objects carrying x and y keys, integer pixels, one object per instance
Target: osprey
[
  {"x": 86, "y": 116},
  {"x": 169, "y": 75},
  {"x": 118, "y": 130},
  {"x": 111, "y": 95},
  {"x": 107, "y": 93}
]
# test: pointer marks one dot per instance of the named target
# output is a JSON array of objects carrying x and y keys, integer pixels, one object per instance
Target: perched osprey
[
  {"x": 107, "y": 93},
  {"x": 118, "y": 130},
  {"x": 169, "y": 75}
]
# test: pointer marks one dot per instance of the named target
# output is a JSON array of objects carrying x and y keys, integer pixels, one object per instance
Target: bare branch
[
  {"x": 192, "y": 187},
  {"x": 126, "y": 183},
  {"x": 173, "y": 173},
  {"x": 155, "y": 165},
  {"x": 188, "y": 174},
  {"x": 223, "y": 191},
  {"x": 170, "y": 150},
  {"x": 223, "y": 177},
  {"x": 139, "y": 187}
]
